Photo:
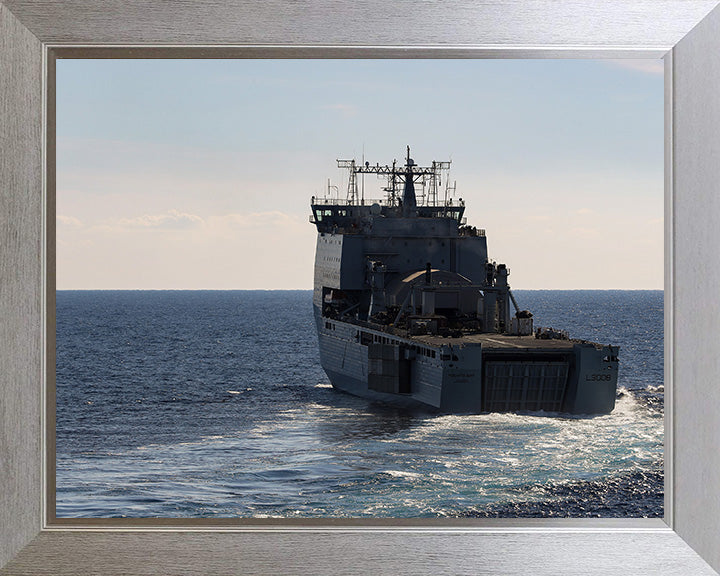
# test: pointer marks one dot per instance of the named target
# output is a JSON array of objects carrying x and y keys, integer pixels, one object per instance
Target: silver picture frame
[{"x": 686, "y": 33}]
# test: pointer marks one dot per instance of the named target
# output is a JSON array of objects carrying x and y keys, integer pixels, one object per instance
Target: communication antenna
[
  {"x": 330, "y": 187},
  {"x": 352, "y": 191},
  {"x": 362, "y": 187},
  {"x": 449, "y": 190},
  {"x": 430, "y": 177}
]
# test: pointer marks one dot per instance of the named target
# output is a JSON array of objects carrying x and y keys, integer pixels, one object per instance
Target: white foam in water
[
  {"x": 439, "y": 465},
  {"x": 401, "y": 473},
  {"x": 253, "y": 439},
  {"x": 514, "y": 449}
]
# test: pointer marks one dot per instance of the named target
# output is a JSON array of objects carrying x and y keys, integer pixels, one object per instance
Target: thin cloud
[
  {"x": 255, "y": 220},
  {"x": 68, "y": 221},
  {"x": 654, "y": 67},
  {"x": 584, "y": 233},
  {"x": 172, "y": 220}
]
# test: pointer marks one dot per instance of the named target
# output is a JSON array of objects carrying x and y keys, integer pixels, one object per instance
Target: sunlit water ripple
[{"x": 197, "y": 404}]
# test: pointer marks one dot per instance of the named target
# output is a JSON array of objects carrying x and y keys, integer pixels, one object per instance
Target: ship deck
[
  {"x": 492, "y": 341},
  {"x": 488, "y": 340}
]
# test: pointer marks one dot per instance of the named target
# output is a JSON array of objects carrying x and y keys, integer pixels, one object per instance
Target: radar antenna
[{"x": 400, "y": 178}]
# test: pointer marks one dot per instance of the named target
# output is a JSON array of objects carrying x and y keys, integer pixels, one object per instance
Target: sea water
[{"x": 214, "y": 404}]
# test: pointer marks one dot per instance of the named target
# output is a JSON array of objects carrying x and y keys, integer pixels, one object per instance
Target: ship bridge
[
  {"x": 340, "y": 216},
  {"x": 411, "y": 191},
  {"x": 364, "y": 243}
]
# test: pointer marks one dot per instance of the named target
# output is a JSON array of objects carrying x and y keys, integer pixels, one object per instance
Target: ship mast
[
  {"x": 409, "y": 200},
  {"x": 352, "y": 181},
  {"x": 405, "y": 176}
]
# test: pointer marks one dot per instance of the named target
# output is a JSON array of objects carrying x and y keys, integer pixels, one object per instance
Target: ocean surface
[{"x": 214, "y": 404}]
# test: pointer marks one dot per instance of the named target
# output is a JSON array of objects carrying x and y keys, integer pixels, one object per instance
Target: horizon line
[{"x": 311, "y": 289}]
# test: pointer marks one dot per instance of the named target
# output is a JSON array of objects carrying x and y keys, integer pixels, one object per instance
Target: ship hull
[{"x": 467, "y": 377}]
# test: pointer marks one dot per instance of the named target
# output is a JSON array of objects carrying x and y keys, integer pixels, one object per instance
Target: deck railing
[{"x": 369, "y": 202}]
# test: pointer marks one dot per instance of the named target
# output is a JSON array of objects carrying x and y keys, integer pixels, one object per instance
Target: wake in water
[
  {"x": 339, "y": 457},
  {"x": 169, "y": 407}
]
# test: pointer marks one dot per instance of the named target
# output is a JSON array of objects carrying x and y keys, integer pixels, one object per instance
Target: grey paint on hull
[{"x": 457, "y": 385}]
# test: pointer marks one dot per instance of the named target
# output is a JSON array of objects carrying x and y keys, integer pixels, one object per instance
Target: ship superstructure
[{"x": 411, "y": 311}]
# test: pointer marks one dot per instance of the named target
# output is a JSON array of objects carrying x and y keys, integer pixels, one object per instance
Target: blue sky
[{"x": 198, "y": 173}]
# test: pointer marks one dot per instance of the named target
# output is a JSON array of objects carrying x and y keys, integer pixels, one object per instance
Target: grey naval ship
[{"x": 411, "y": 311}]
